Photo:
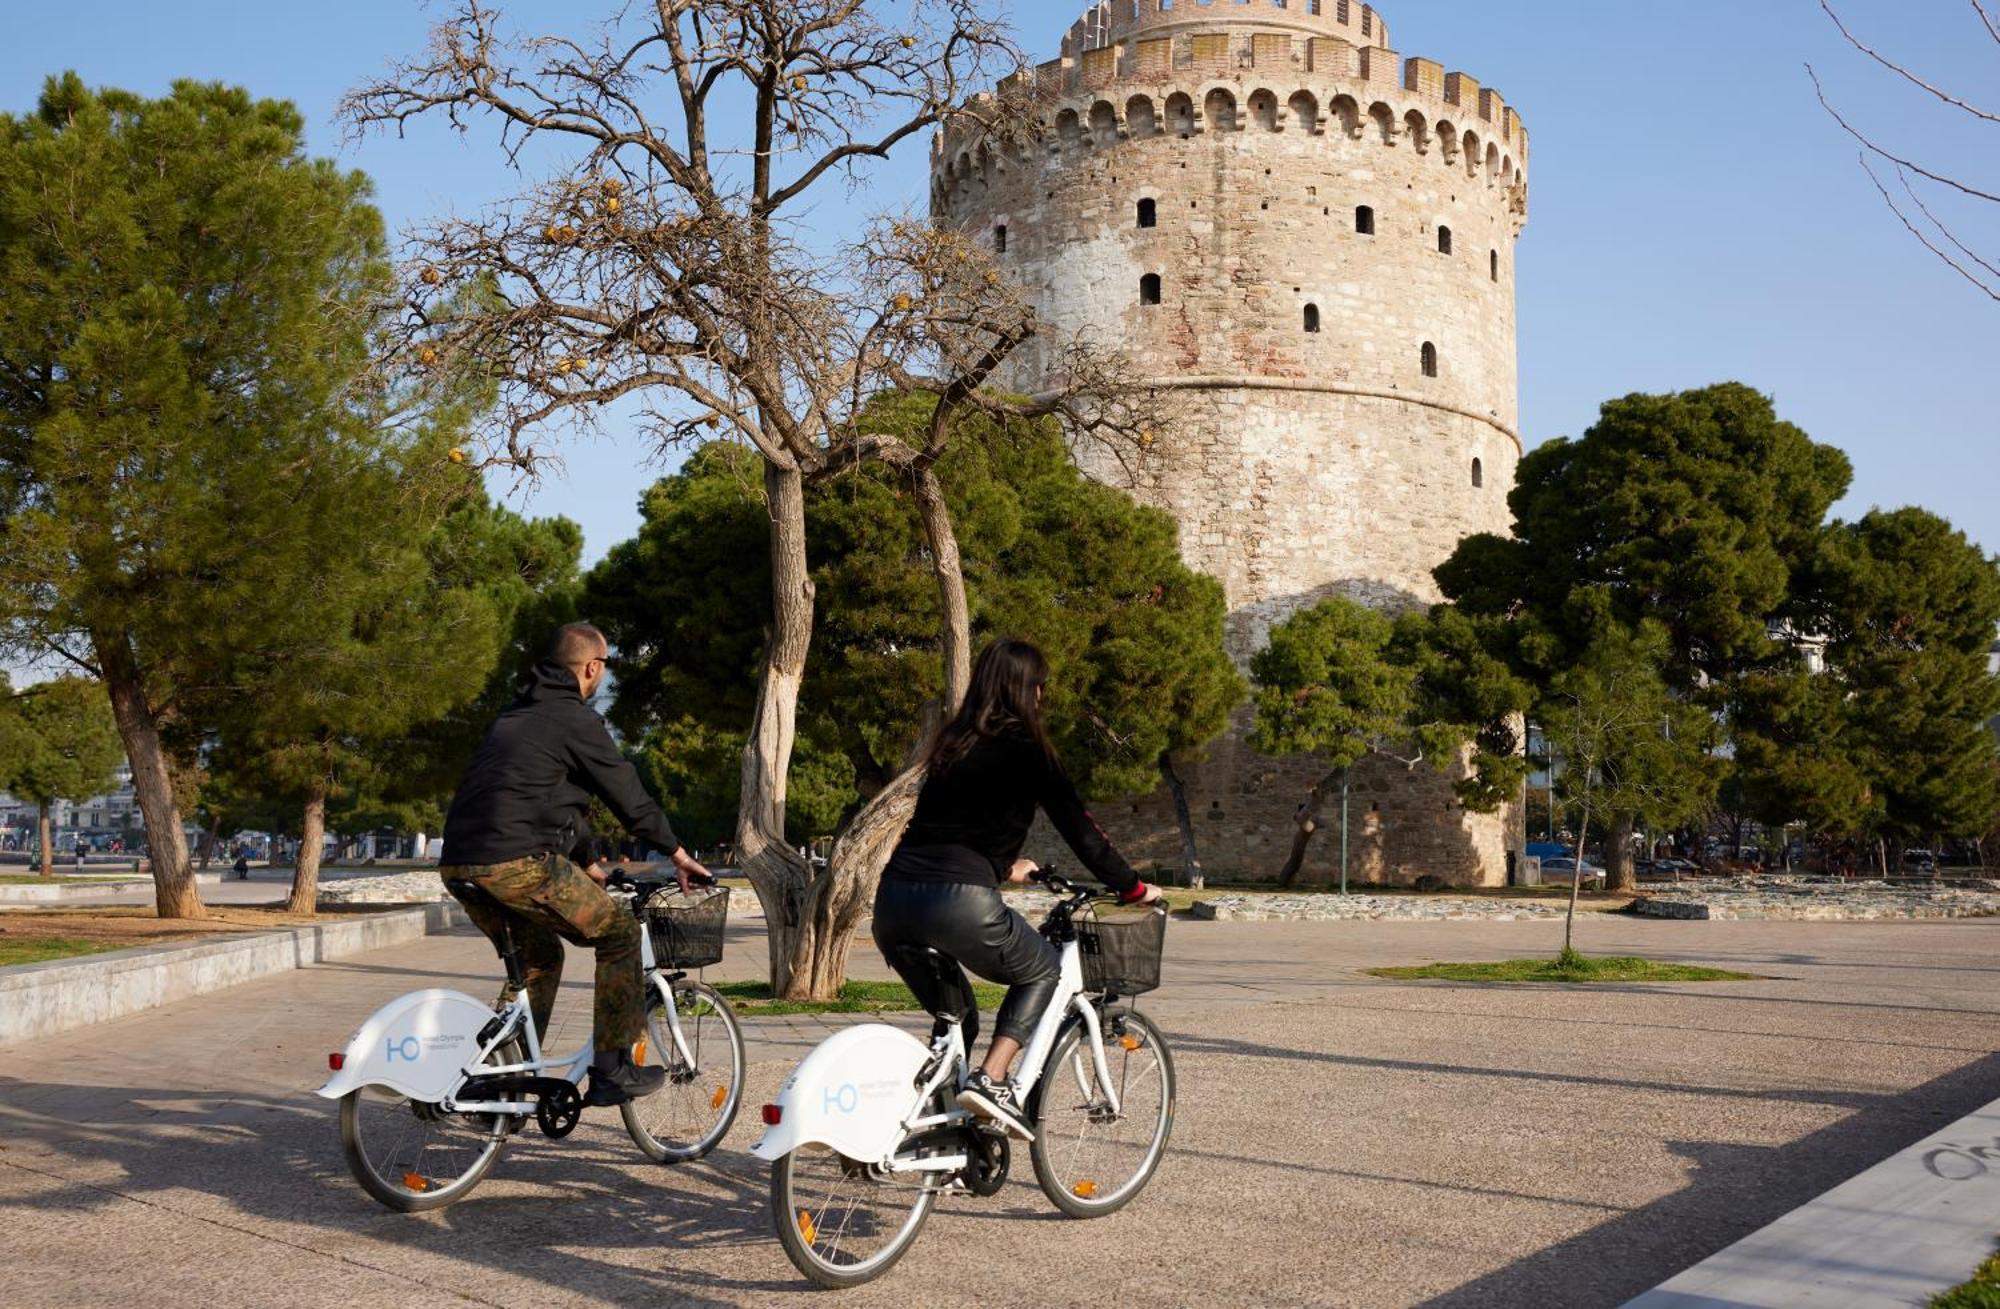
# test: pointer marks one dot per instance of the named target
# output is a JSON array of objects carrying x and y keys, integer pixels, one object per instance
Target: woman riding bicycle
[{"x": 989, "y": 769}]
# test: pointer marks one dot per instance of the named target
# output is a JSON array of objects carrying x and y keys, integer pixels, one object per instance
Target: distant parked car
[
  {"x": 1562, "y": 868},
  {"x": 1920, "y": 860}
]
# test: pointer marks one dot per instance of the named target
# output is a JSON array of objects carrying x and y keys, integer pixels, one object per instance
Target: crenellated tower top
[{"x": 1114, "y": 21}]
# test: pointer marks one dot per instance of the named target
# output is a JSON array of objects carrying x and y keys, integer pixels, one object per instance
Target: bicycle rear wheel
[
  {"x": 1089, "y": 1160},
  {"x": 842, "y": 1225},
  {"x": 689, "y": 1116},
  {"x": 411, "y": 1155}
]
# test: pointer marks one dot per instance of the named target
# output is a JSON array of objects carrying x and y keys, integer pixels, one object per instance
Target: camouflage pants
[{"x": 545, "y": 901}]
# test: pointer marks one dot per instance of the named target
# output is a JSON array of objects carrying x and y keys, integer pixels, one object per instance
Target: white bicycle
[
  {"x": 866, "y": 1135},
  {"x": 435, "y": 1082}
]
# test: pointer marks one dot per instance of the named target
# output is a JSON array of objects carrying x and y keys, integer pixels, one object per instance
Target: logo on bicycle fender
[
  {"x": 846, "y": 1098},
  {"x": 407, "y": 1049}
]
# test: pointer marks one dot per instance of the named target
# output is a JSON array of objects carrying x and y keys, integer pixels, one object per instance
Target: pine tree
[
  {"x": 59, "y": 743},
  {"x": 166, "y": 401}
]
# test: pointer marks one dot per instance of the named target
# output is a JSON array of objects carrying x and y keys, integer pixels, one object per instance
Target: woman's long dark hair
[{"x": 1004, "y": 697}]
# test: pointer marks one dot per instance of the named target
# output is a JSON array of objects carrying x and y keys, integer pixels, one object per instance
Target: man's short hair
[{"x": 576, "y": 644}]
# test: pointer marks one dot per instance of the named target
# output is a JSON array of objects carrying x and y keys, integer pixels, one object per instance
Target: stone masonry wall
[{"x": 1229, "y": 160}]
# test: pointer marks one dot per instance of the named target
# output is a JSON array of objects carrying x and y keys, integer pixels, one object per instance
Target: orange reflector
[
  {"x": 721, "y": 1094},
  {"x": 415, "y": 1182},
  {"x": 806, "y": 1228},
  {"x": 639, "y": 1050},
  {"x": 1129, "y": 1042},
  {"x": 1085, "y": 1189}
]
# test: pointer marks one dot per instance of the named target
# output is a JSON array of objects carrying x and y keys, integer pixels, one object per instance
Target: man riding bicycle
[{"x": 517, "y": 814}]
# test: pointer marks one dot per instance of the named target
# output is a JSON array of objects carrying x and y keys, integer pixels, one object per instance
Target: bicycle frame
[{"x": 949, "y": 1054}]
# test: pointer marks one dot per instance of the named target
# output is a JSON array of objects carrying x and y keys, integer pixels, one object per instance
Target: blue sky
[{"x": 1695, "y": 216}]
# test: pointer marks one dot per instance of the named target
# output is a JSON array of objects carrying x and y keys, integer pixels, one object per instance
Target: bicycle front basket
[
  {"x": 1121, "y": 949},
  {"x": 687, "y": 930}
]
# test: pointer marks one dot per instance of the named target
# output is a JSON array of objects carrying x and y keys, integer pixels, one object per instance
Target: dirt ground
[{"x": 120, "y": 926}]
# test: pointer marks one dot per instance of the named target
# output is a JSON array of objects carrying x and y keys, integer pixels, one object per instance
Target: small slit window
[
  {"x": 1430, "y": 359},
  {"x": 1364, "y": 220},
  {"x": 1000, "y": 239},
  {"x": 1444, "y": 240},
  {"x": 1149, "y": 213},
  {"x": 1312, "y": 318},
  {"x": 1478, "y": 473},
  {"x": 1493, "y": 262},
  {"x": 1149, "y": 289}
]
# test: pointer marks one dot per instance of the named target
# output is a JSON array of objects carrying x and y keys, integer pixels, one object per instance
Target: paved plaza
[{"x": 1340, "y": 1140}]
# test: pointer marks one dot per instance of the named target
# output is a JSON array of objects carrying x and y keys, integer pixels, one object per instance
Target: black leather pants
[{"x": 973, "y": 926}]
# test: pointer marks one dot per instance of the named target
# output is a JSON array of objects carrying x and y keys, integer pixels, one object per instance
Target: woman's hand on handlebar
[
  {"x": 1150, "y": 894},
  {"x": 1022, "y": 871}
]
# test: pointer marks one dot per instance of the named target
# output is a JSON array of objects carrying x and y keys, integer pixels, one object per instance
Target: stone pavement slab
[
  {"x": 1340, "y": 1140},
  {"x": 1913, "y": 1225}
]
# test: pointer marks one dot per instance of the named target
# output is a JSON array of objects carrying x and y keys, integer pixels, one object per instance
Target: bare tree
[
  {"x": 1913, "y": 180},
  {"x": 669, "y": 257}
]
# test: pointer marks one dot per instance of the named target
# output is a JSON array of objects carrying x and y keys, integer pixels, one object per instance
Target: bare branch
[{"x": 1904, "y": 73}]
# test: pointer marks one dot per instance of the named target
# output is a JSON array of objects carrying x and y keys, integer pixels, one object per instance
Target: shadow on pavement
[
  {"x": 271, "y": 1163},
  {"x": 1732, "y": 1191}
]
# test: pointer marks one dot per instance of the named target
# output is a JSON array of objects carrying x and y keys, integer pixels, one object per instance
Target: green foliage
[
  {"x": 1629, "y": 745},
  {"x": 1340, "y": 681},
  {"x": 1569, "y": 966},
  {"x": 1691, "y": 511},
  {"x": 166, "y": 403},
  {"x": 1133, "y": 637},
  {"x": 1909, "y": 607},
  {"x": 58, "y": 741}
]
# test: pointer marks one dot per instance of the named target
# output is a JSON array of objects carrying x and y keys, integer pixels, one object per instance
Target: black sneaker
[
  {"x": 628, "y": 1081},
  {"x": 996, "y": 1101}
]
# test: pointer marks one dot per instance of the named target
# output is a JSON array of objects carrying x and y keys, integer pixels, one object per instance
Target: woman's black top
[{"x": 972, "y": 818}]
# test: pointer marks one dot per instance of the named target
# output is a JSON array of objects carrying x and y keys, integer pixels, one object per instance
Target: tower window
[
  {"x": 1149, "y": 289},
  {"x": 1444, "y": 240},
  {"x": 1478, "y": 473},
  {"x": 1364, "y": 220},
  {"x": 1000, "y": 239},
  {"x": 1149, "y": 214},
  {"x": 1430, "y": 360},
  {"x": 1312, "y": 318},
  {"x": 1494, "y": 262}
]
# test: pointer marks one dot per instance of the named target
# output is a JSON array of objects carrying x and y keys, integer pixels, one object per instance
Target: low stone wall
[
  {"x": 65, "y": 891},
  {"x": 1353, "y": 908},
  {"x": 37, "y": 999},
  {"x": 1820, "y": 899},
  {"x": 418, "y": 886}
]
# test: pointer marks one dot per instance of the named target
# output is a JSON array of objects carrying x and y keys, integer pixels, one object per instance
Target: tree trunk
[
  {"x": 1619, "y": 874},
  {"x": 779, "y": 874},
  {"x": 1575, "y": 882},
  {"x": 312, "y": 840},
  {"x": 1190, "y": 857},
  {"x": 954, "y": 615},
  {"x": 174, "y": 894},
  {"x": 208, "y": 842},
  {"x": 45, "y": 831},
  {"x": 1307, "y": 818}
]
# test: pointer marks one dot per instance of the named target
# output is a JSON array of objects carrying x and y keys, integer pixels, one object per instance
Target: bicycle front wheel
[
  {"x": 690, "y": 1115},
  {"x": 841, "y": 1224},
  {"x": 1089, "y": 1158}
]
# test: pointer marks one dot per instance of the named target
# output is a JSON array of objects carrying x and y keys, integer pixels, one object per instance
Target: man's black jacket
[{"x": 532, "y": 778}]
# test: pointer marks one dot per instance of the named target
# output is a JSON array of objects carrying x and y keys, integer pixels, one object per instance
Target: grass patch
[
  {"x": 1982, "y": 1292},
  {"x": 1566, "y": 967},
  {"x": 855, "y": 998},
  {"x": 41, "y": 949},
  {"x": 60, "y": 879}
]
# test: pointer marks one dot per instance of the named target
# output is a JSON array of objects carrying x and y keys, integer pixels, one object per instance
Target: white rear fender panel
[
  {"x": 416, "y": 1044},
  {"x": 852, "y": 1093}
]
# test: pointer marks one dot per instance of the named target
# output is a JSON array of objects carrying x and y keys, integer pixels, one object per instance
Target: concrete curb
[
  {"x": 57, "y": 892},
  {"x": 1918, "y": 1223},
  {"x": 38, "y": 999}
]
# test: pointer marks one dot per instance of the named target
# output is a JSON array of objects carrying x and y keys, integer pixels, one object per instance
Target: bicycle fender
[
  {"x": 416, "y": 1044},
  {"x": 851, "y": 1093}
]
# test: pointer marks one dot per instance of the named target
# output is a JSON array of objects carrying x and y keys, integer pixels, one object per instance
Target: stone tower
[{"x": 1269, "y": 209}]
